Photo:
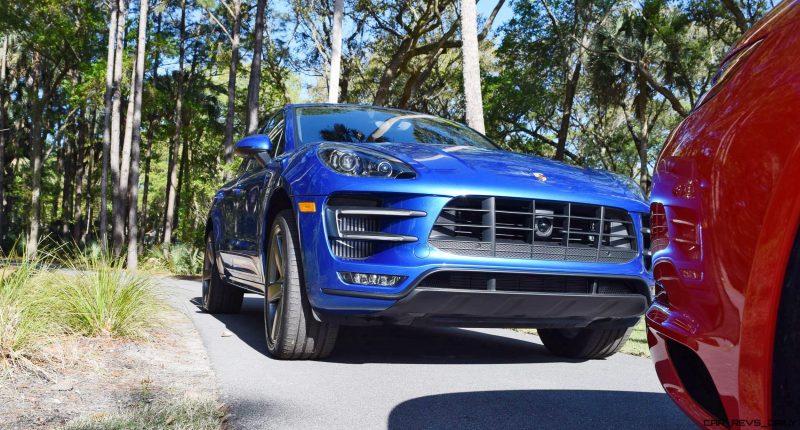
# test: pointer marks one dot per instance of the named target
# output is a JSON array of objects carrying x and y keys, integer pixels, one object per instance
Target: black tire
[
  {"x": 785, "y": 372},
  {"x": 584, "y": 343},
  {"x": 219, "y": 297},
  {"x": 291, "y": 330}
]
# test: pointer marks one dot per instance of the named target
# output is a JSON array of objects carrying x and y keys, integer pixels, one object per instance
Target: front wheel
[
  {"x": 584, "y": 343},
  {"x": 292, "y": 331}
]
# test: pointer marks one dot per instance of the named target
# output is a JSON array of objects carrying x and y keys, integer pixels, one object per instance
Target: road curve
[{"x": 397, "y": 378}]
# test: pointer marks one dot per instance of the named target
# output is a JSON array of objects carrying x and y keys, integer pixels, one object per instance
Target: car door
[
  {"x": 226, "y": 201},
  {"x": 248, "y": 203}
]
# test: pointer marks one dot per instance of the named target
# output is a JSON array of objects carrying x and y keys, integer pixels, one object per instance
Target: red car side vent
[{"x": 659, "y": 233}]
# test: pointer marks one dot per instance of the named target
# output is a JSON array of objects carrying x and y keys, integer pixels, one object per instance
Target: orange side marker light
[{"x": 307, "y": 206}]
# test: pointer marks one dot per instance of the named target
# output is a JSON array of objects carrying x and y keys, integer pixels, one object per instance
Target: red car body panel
[{"x": 729, "y": 182}]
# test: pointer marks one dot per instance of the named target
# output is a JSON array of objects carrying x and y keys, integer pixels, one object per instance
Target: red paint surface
[{"x": 729, "y": 181}]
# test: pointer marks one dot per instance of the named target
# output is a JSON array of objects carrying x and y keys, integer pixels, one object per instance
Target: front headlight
[{"x": 354, "y": 161}]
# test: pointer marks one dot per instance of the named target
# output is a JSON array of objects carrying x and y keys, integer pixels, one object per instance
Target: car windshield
[{"x": 365, "y": 124}]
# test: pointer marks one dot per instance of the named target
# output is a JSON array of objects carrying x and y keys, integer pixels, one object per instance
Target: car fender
[
  {"x": 213, "y": 224},
  {"x": 764, "y": 289}
]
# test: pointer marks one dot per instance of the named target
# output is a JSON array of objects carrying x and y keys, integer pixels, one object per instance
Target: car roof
[{"x": 362, "y": 106}]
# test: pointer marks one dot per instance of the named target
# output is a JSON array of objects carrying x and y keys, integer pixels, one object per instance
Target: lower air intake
[{"x": 525, "y": 282}]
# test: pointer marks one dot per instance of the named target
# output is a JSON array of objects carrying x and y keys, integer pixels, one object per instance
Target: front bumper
[
  {"x": 464, "y": 308},
  {"x": 331, "y": 297},
  {"x": 681, "y": 370}
]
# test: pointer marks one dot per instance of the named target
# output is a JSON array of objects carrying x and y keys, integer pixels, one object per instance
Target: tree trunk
[
  {"x": 172, "y": 178},
  {"x": 133, "y": 233},
  {"x": 344, "y": 83},
  {"x": 117, "y": 203},
  {"x": 149, "y": 151},
  {"x": 61, "y": 144},
  {"x": 416, "y": 80},
  {"x": 3, "y": 135},
  {"x": 68, "y": 156},
  {"x": 391, "y": 71},
  {"x": 231, "y": 114},
  {"x": 738, "y": 16},
  {"x": 77, "y": 214},
  {"x": 89, "y": 173},
  {"x": 566, "y": 115},
  {"x": 125, "y": 162},
  {"x": 336, "y": 52},
  {"x": 472, "y": 67},
  {"x": 36, "y": 162},
  {"x": 80, "y": 171},
  {"x": 254, "y": 86},
  {"x": 146, "y": 187},
  {"x": 111, "y": 55},
  {"x": 644, "y": 134},
  {"x": 182, "y": 171}
]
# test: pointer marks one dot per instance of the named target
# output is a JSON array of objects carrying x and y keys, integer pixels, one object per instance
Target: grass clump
[
  {"x": 99, "y": 297},
  {"x": 189, "y": 413},
  {"x": 87, "y": 294},
  {"x": 179, "y": 259},
  {"x": 25, "y": 316}
]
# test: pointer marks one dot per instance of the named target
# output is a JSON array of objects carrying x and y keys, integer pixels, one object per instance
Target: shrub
[
  {"x": 27, "y": 320},
  {"x": 19, "y": 323},
  {"x": 99, "y": 297},
  {"x": 179, "y": 259}
]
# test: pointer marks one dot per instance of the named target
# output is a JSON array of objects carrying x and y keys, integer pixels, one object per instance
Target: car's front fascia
[{"x": 309, "y": 180}]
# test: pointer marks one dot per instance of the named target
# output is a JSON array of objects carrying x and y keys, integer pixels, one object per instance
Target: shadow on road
[
  {"x": 389, "y": 344},
  {"x": 516, "y": 409}
]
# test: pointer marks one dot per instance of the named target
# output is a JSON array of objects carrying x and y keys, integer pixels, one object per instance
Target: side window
[
  {"x": 277, "y": 135},
  {"x": 244, "y": 167}
]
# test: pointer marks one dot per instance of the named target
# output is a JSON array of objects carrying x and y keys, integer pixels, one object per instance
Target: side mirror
[{"x": 256, "y": 146}]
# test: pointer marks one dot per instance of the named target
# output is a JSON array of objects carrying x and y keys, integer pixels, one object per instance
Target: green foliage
[
  {"x": 25, "y": 314},
  {"x": 85, "y": 293},
  {"x": 179, "y": 259},
  {"x": 637, "y": 343},
  {"x": 98, "y": 297},
  {"x": 406, "y": 51}
]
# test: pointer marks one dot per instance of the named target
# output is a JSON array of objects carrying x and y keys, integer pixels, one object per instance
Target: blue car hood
[{"x": 471, "y": 167}]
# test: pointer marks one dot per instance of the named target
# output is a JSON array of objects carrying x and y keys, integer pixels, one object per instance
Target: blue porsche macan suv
[{"x": 343, "y": 215}]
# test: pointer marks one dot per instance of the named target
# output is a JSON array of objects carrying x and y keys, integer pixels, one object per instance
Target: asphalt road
[{"x": 397, "y": 378}]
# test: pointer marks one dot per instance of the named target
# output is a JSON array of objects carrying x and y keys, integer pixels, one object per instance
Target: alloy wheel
[{"x": 276, "y": 281}]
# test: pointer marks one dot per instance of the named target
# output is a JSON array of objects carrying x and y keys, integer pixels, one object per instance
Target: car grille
[
  {"x": 534, "y": 230},
  {"x": 359, "y": 227},
  {"x": 526, "y": 282},
  {"x": 355, "y": 249}
]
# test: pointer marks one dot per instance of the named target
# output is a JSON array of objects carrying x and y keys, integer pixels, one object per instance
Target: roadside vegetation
[
  {"x": 98, "y": 297},
  {"x": 26, "y": 320},
  {"x": 637, "y": 343},
  {"x": 88, "y": 294},
  {"x": 189, "y": 413},
  {"x": 66, "y": 313},
  {"x": 177, "y": 259}
]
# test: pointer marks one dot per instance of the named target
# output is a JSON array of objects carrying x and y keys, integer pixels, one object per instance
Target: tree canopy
[{"x": 597, "y": 83}]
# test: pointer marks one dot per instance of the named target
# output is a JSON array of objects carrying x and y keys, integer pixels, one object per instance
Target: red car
[{"x": 725, "y": 323}]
